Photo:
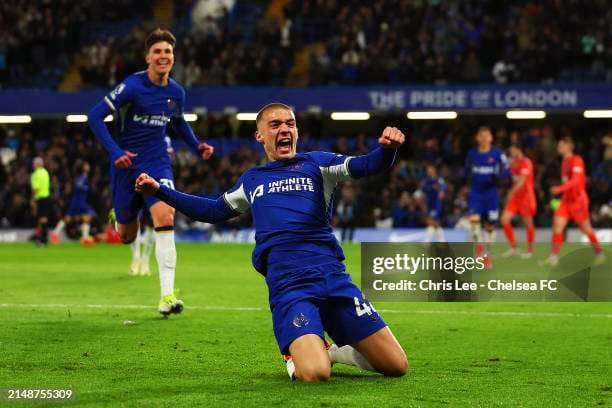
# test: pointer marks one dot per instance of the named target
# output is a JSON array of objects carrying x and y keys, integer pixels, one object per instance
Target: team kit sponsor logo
[{"x": 283, "y": 186}]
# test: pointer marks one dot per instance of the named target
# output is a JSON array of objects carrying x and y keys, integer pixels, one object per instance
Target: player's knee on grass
[
  {"x": 396, "y": 366},
  {"x": 313, "y": 371}
]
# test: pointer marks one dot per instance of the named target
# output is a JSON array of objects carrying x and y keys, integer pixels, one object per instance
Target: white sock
[
  {"x": 148, "y": 239},
  {"x": 490, "y": 236},
  {"x": 165, "y": 253},
  {"x": 429, "y": 233},
  {"x": 136, "y": 247},
  {"x": 348, "y": 355},
  {"x": 85, "y": 230},
  {"x": 475, "y": 230},
  {"x": 59, "y": 227},
  {"x": 441, "y": 237}
]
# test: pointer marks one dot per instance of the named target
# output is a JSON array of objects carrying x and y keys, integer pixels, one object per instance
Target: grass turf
[{"x": 63, "y": 309}]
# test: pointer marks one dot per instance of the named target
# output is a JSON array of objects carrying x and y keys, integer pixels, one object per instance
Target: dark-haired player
[
  {"x": 310, "y": 292},
  {"x": 146, "y": 103},
  {"x": 485, "y": 165}
]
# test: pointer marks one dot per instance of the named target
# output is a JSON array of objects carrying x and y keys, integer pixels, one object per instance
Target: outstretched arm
[
  {"x": 198, "y": 208},
  {"x": 379, "y": 159}
]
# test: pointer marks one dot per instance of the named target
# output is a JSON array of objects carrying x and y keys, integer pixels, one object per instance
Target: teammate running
[{"x": 146, "y": 103}]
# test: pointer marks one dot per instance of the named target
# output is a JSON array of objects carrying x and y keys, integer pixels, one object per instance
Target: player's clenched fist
[
  {"x": 146, "y": 184},
  {"x": 125, "y": 161},
  {"x": 206, "y": 150},
  {"x": 391, "y": 138}
]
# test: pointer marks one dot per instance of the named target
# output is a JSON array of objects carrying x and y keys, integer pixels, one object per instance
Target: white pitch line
[{"x": 262, "y": 309}]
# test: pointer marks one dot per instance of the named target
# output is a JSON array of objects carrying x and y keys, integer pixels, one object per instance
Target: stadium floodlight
[
  {"x": 246, "y": 116},
  {"x": 15, "y": 119},
  {"x": 350, "y": 115},
  {"x": 109, "y": 118},
  {"x": 525, "y": 114},
  {"x": 190, "y": 117},
  {"x": 598, "y": 113},
  {"x": 420, "y": 115},
  {"x": 75, "y": 118}
]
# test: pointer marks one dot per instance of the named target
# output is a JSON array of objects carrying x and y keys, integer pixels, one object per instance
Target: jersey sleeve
[
  {"x": 334, "y": 167},
  {"x": 236, "y": 197},
  {"x": 577, "y": 166},
  {"x": 442, "y": 185},
  {"x": 122, "y": 94},
  {"x": 503, "y": 170}
]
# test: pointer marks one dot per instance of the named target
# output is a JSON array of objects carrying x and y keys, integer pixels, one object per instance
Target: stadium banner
[
  {"x": 560, "y": 97},
  {"x": 451, "y": 272}
]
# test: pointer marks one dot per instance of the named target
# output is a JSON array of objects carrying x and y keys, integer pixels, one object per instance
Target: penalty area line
[{"x": 262, "y": 309}]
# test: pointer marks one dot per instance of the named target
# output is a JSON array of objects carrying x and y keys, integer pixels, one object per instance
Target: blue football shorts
[
  {"x": 318, "y": 299},
  {"x": 126, "y": 201}
]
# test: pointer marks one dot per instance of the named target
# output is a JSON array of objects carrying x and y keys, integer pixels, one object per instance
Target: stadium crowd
[
  {"x": 39, "y": 38},
  {"x": 390, "y": 41},
  {"x": 400, "y": 202},
  {"x": 348, "y": 42}
]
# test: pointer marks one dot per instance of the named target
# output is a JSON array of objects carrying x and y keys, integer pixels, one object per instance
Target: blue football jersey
[
  {"x": 485, "y": 169},
  {"x": 144, "y": 111},
  {"x": 81, "y": 188},
  {"x": 291, "y": 204},
  {"x": 432, "y": 186}
]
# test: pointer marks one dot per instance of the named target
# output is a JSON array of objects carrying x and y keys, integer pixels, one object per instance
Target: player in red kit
[
  {"x": 574, "y": 202},
  {"x": 521, "y": 200}
]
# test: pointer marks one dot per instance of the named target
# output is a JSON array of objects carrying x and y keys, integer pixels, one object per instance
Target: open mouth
[{"x": 284, "y": 144}]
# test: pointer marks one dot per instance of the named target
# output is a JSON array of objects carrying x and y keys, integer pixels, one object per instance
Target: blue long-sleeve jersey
[
  {"x": 484, "y": 169},
  {"x": 81, "y": 189},
  {"x": 144, "y": 110},
  {"x": 290, "y": 200}
]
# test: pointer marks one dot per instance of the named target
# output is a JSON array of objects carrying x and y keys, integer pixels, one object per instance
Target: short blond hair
[{"x": 270, "y": 106}]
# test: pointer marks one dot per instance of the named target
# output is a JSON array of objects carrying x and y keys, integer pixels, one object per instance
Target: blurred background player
[
  {"x": 521, "y": 200},
  {"x": 434, "y": 188},
  {"x": 79, "y": 210},
  {"x": 147, "y": 102},
  {"x": 574, "y": 202},
  {"x": 41, "y": 200},
  {"x": 347, "y": 212},
  {"x": 485, "y": 165},
  {"x": 142, "y": 246}
]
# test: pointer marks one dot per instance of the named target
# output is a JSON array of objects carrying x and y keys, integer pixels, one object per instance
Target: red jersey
[
  {"x": 523, "y": 167},
  {"x": 573, "y": 175}
]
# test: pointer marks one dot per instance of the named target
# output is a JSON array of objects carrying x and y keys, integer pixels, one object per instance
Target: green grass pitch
[{"x": 62, "y": 314}]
